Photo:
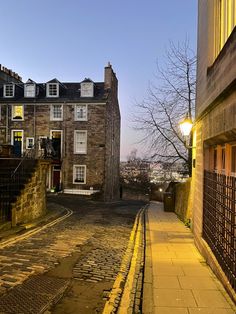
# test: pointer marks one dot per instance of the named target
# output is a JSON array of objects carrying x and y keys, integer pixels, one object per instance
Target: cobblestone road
[{"x": 95, "y": 237}]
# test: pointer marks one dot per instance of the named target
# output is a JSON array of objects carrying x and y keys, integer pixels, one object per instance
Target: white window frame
[
  {"x": 87, "y": 89},
  {"x": 27, "y": 142},
  {"x": 76, "y": 111},
  {"x": 52, "y": 118},
  {"x": 74, "y": 174},
  {"x": 12, "y": 112},
  {"x": 27, "y": 85},
  {"x": 5, "y": 90},
  {"x": 48, "y": 90},
  {"x": 86, "y": 139}
]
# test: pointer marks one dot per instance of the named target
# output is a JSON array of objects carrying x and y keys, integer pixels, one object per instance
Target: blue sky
[{"x": 74, "y": 39}]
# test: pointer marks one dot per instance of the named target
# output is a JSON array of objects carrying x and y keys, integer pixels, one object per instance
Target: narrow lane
[{"x": 85, "y": 249}]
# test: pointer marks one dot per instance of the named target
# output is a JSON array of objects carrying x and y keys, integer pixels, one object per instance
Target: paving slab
[{"x": 182, "y": 282}]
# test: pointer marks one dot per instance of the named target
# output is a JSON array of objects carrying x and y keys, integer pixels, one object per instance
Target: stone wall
[
  {"x": 31, "y": 203},
  {"x": 182, "y": 199}
]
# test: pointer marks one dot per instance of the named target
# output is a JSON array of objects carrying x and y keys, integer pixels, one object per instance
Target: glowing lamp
[{"x": 186, "y": 126}]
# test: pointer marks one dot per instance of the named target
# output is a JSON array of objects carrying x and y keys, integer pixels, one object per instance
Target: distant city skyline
[{"x": 71, "y": 40}]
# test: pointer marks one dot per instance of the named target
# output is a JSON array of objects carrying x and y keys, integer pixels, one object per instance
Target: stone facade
[
  {"x": 31, "y": 203},
  {"x": 215, "y": 126},
  {"x": 99, "y": 162}
]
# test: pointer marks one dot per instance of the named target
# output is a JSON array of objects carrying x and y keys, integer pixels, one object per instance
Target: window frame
[
  {"x": 25, "y": 90},
  {"x": 74, "y": 174},
  {"x": 48, "y": 90},
  {"x": 52, "y": 118},
  {"x": 5, "y": 90},
  {"x": 86, "y": 112},
  {"x": 12, "y": 112},
  {"x": 86, "y": 142},
  {"x": 27, "y": 142}
]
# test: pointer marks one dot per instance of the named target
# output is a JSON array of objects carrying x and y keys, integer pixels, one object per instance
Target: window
[
  {"x": 215, "y": 159},
  {"x": 79, "y": 174},
  {"x": 29, "y": 142},
  {"x": 80, "y": 142},
  {"x": 9, "y": 90},
  {"x": 223, "y": 159},
  {"x": 80, "y": 112},
  {"x": 225, "y": 22},
  {"x": 56, "y": 112},
  {"x": 17, "y": 112},
  {"x": 29, "y": 90},
  {"x": 87, "y": 89},
  {"x": 233, "y": 160},
  {"x": 52, "y": 90}
]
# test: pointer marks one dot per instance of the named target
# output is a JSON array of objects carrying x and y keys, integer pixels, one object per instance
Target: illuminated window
[
  {"x": 52, "y": 90},
  {"x": 56, "y": 112},
  {"x": 225, "y": 22},
  {"x": 17, "y": 112},
  {"x": 80, "y": 142},
  {"x": 8, "y": 90},
  {"x": 81, "y": 113},
  {"x": 233, "y": 160},
  {"x": 79, "y": 174}
]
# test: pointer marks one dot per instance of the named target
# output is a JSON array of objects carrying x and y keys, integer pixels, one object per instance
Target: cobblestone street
[{"x": 81, "y": 254}]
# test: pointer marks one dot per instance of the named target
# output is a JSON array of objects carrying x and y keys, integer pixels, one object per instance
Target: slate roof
[{"x": 67, "y": 92}]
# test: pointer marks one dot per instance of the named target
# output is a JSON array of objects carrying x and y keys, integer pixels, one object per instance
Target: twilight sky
[{"x": 74, "y": 39}]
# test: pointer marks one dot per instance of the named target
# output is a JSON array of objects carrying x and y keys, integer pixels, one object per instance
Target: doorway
[
  {"x": 56, "y": 137},
  {"x": 17, "y": 142}
]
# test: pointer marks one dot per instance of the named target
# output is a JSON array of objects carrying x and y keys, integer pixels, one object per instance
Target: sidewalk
[{"x": 177, "y": 279}]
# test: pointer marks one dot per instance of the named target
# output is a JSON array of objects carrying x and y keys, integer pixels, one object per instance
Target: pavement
[{"x": 177, "y": 279}]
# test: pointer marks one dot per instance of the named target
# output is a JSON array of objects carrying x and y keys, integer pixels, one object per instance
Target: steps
[{"x": 13, "y": 179}]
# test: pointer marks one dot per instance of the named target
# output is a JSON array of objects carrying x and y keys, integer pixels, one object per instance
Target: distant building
[
  {"x": 214, "y": 179},
  {"x": 82, "y": 122}
]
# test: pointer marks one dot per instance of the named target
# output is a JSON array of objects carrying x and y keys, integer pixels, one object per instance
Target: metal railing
[{"x": 219, "y": 220}]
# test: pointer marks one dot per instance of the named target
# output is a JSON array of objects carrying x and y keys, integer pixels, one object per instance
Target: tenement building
[
  {"x": 214, "y": 177},
  {"x": 77, "y": 123}
]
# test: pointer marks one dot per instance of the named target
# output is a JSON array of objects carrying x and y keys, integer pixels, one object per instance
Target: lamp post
[{"x": 186, "y": 129}]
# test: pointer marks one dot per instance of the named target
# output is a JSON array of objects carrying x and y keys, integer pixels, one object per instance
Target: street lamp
[
  {"x": 186, "y": 126},
  {"x": 186, "y": 130}
]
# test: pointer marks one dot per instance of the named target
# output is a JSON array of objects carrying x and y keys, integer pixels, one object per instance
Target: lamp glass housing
[{"x": 186, "y": 126}]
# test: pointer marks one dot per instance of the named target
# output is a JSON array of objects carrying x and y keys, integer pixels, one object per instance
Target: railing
[
  {"x": 11, "y": 184},
  {"x": 219, "y": 220}
]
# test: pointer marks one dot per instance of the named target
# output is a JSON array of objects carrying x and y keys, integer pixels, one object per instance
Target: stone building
[
  {"x": 214, "y": 148},
  {"x": 81, "y": 121}
]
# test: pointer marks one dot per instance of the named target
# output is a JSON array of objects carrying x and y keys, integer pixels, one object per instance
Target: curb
[
  {"x": 147, "y": 306},
  {"x": 125, "y": 295}
]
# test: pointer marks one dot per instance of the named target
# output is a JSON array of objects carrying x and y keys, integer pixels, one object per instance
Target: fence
[{"x": 219, "y": 225}]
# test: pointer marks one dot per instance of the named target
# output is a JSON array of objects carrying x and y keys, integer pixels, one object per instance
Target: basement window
[{"x": 79, "y": 174}]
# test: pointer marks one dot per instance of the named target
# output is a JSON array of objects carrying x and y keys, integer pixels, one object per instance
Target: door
[
  {"x": 56, "y": 178},
  {"x": 17, "y": 140}
]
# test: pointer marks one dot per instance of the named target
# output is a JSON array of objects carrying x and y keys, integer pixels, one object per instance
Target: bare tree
[{"x": 169, "y": 99}]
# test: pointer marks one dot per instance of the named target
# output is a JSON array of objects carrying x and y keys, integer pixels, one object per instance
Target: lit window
[
  {"x": 29, "y": 142},
  {"x": 17, "y": 112},
  {"x": 56, "y": 112},
  {"x": 9, "y": 90},
  {"x": 225, "y": 21},
  {"x": 81, "y": 112},
  {"x": 79, "y": 174},
  {"x": 52, "y": 90},
  {"x": 233, "y": 160},
  {"x": 30, "y": 90},
  {"x": 80, "y": 142}
]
